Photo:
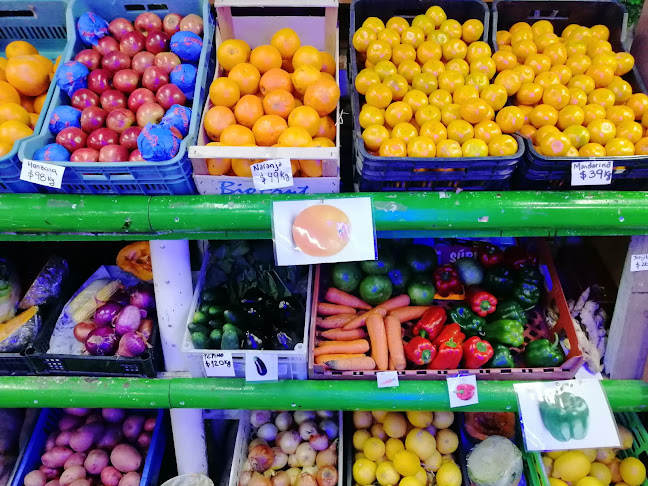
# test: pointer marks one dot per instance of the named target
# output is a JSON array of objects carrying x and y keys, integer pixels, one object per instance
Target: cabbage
[{"x": 496, "y": 461}]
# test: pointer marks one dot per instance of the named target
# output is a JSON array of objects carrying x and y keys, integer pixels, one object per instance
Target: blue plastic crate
[
  {"x": 128, "y": 178},
  {"x": 30, "y": 458},
  {"x": 42, "y": 24}
]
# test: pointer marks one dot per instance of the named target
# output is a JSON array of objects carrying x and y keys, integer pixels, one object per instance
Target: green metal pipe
[{"x": 62, "y": 392}]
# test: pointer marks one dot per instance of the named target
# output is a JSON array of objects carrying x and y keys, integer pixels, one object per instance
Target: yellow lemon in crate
[
  {"x": 406, "y": 463},
  {"x": 633, "y": 471},
  {"x": 359, "y": 439},
  {"x": 374, "y": 449},
  {"x": 447, "y": 441},
  {"x": 432, "y": 463},
  {"x": 589, "y": 481},
  {"x": 392, "y": 446},
  {"x": 448, "y": 474},
  {"x": 572, "y": 466},
  {"x": 395, "y": 425},
  {"x": 420, "y": 419},
  {"x": 601, "y": 471},
  {"x": 420, "y": 442},
  {"x": 386, "y": 474},
  {"x": 364, "y": 471},
  {"x": 410, "y": 481}
]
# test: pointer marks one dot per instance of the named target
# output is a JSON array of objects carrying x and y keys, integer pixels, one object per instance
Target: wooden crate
[{"x": 320, "y": 31}]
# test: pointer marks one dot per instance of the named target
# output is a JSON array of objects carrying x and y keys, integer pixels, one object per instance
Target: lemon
[
  {"x": 420, "y": 442},
  {"x": 615, "y": 469},
  {"x": 555, "y": 454},
  {"x": 359, "y": 455},
  {"x": 590, "y": 453},
  {"x": 377, "y": 430},
  {"x": 422, "y": 476},
  {"x": 432, "y": 463},
  {"x": 605, "y": 455},
  {"x": 395, "y": 425},
  {"x": 443, "y": 420},
  {"x": 547, "y": 463},
  {"x": 364, "y": 472},
  {"x": 381, "y": 460},
  {"x": 626, "y": 437},
  {"x": 392, "y": 446},
  {"x": 447, "y": 441},
  {"x": 420, "y": 419},
  {"x": 589, "y": 481},
  {"x": 379, "y": 416},
  {"x": 602, "y": 472},
  {"x": 406, "y": 463},
  {"x": 557, "y": 482},
  {"x": 410, "y": 481},
  {"x": 633, "y": 472},
  {"x": 447, "y": 458},
  {"x": 359, "y": 439},
  {"x": 448, "y": 474},
  {"x": 572, "y": 466},
  {"x": 386, "y": 474},
  {"x": 374, "y": 449},
  {"x": 362, "y": 420}
]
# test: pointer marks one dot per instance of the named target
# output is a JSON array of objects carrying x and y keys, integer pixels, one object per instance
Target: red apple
[
  {"x": 128, "y": 138},
  {"x": 105, "y": 45},
  {"x": 167, "y": 61},
  {"x": 120, "y": 119},
  {"x": 192, "y": 23},
  {"x": 142, "y": 60},
  {"x": 171, "y": 23},
  {"x": 93, "y": 118},
  {"x": 136, "y": 156},
  {"x": 89, "y": 58},
  {"x": 157, "y": 41},
  {"x": 169, "y": 95},
  {"x": 101, "y": 137},
  {"x": 154, "y": 77},
  {"x": 120, "y": 27},
  {"x": 112, "y": 99},
  {"x": 99, "y": 80},
  {"x": 138, "y": 97},
  {"x": 126, "y": 80},
  {"x": 71, "y": 138},
  {"x": 149, "y": 113},
  {"x": 116, "y": 61},
  {"x": 113, "y": 153},
  {"x": 84, "y": 155},
  {"x": 147, "y": 22},
  {"x": 82, "y": 98},
  {"x": 132, "y": 43}
]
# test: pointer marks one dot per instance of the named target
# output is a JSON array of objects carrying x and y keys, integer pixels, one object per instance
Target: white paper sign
[
  {"x": 261, "y": 367},
  {"x": 561, "y": 415},
  {"x": 218, "y": 364},
  {"x": 462, "y": 391},
  {"x": 323, "y": 231},
  {"x": 591, "y": 173},
  {"x": 639, "y": 263},
  {"x": 272, "y": 174},
  {"x": 42, "y": 173},
  {"x": 387, "y": 379}
]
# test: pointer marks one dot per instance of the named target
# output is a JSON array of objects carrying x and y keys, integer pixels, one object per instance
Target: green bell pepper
[
  {"x": 505, "y": 331},
  {"x": 530, "y": 274},
  {"x": 564, "y": 415},
  {"x": 502, "y": 357},
  {"x": 510, "y": 309},
  {"x": 470, "y": 323},
  {"x": 498, "y": 281},
  {"x": 542, "y": 353},
  {"x": 528, "y": 295}
]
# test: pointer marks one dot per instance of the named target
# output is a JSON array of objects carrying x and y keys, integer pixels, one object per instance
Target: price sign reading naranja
[
  {"x": 42, "y": 173},
  {"x": 218, "y": 364},
  {"x": 272, "y": 174},
  {"x": 591, "y": 173}
]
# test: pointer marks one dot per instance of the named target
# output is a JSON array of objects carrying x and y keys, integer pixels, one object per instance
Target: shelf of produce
[
  {"x": 75, "y": 217},
  {"x": 38, "y": 392}
]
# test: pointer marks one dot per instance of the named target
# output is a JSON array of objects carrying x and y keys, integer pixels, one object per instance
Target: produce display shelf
[
  {"x": 37, "y": 217},
  {"x": 235, "y": 393}
]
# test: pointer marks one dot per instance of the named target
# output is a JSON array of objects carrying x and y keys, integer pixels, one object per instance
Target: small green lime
[
  {"x": 346, "y": 276},
  {"x": 382, "y": 266},
  {"x": 421, "y": 293},
  {"x": 375, "y": 289}
]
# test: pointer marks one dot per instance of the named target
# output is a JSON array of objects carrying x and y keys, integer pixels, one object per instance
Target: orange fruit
[
  {"x": 294, "y": 137},
  {"x": 425, "y": 82},
  {"x": 421, "y": 146},
  {"x": 525, "y": 73},
  {"x": 267, "y": 129},
  {"x": 475, "y": 111},
  {"x": 619, "y": 113},
  {"x": 510, "y": 119},
  {"x": 619, "y": 147},
  {"x": 13, "y": 130},
  {"x": 303, "y": 77},
  {"x": 306, "y": 117},
  {"x": 577, "y": 97},
  {"x": 555, "y": 145},
  {"x": 448, "y": 148},
  {"x": 621, "y": 89},
  {"x": 625, "y": 63},
  {"x": 593, "y": 112},
  {"x": 286, "y": 41},
  {"x": 583, "y": 82},
  {"x": 374, "y": 136},
  {"x": 503, "y": 38},
  {"x": 384, "y": 69},
  {"x": 379, "y": 95},
  {"x": 538, "y": 62},
  {"x": 486, "y": 130},
  {"x": 246, "y": 76},
  {"x": 370, "y": 115},
  {"x": 397, "y": 23},
  {"x": 638, "y": 103},
  {"x": 592, "y": 150},
  {"x": 543, "y": 132},
  {"x": 570, "y": 115},
  {"x": 601, "y": 131},
  {"x": 408, "y": 69},
  {"x": 454, "y": 49},
  {"x": 596, "y": 47},
  {"x": 460, "y": 130},
  {"x": 428, "y": 50},
  {"x": 13, "y": 111},
  {"x": 266, "y": 57},
  {"x": 403, "y": 52},
  {"x": 630, "y": 130},
  {"x": 521, "y": 35},
  {"x": 526, "y": 110},
  {"x": 362, "y": 38},
  {"x": 474, "y": 148},
  {"x": 452, "y": 28},
  {"x": 504, "y": 60},
  {"x": 308, "y": 55},
  {"x": 601, "y": 96},
  {"x": 641, "y": 147},
  {"x": 502, "y": 145},
  {"x": 578, "y": 135},
  {"x": 237, "y": 136},
  {"x": 509, "y": 80},
  {"x": 523, "y": 50},
  {"x": 495, "y": 95},
  {"x": 224, "y": 92},
  {"x": 600, "y": 32},
  {"x": 20, "y": 48},
  {"x": 450, "y": 81},
  {"x": 8, "y": 94},
  {"x": 279, "y": 102},
  {"x": 33, "y": 119},
  {"x": 274, "y": 79},
  {"x": 450, "y": 113},
  {"x": 601, "y": 74},
  {"x": 373, "y": 23},
  {"x": 218, "y": 119},
  {"x": 426, "y": 114},
  {"x": 241, "y": 167},
  {"x": 327, "y": 128},
  {"x": 437, "y": 14},
  {"x": 397, "y": 85},
  {"x": 472, "y": 30},
  {"x": 563, "y": 72},
  {"x": 377, "y": 51},
  {"x": 440, "y": 98},
  {"x": 218, "y": 167},
  {"x": 557, "y": 53},
  {"x": 416, "y": 99},
  {"x": 413, "y": 36},
  {"x": 557, "y": 96},
  {"x": 464, "y": 93},
  {"x": 28, "y": 75},
  {"x": 323, "y": 96},
  {"x": 47, "y": 65},
  {"x": 483, "y": 65},
  {"x": 527, "y": 131},
  {"x": 248, "y": 110},
  {"x": 232, "y": 52},
  {"x": 438, "y": 36},
  {"x": 404, "y": 131},
  {"x": 27, "y": 102},
  {"x": 328, "y": 63},
  {"x": 433, "y": 67},
  {"x": 398, "y": 112},
  {"x": 543, "y": 115},
  {"x": 393, "y": 147},
  {"x": 478, "y": 80},
  {"x": 424, "y": 22},
  {"x": 547, "y": 79},
  {"x": 391, "y": 36},
  {"x": 458, "y": 65},
  {"x": 435, "y": 130}
]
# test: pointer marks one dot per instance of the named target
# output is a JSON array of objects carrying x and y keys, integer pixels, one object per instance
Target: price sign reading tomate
[
  {"x": 272, "y": 174},
  {"x": 591, "y": 173}
]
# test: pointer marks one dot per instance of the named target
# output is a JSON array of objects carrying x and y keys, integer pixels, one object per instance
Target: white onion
[
  {"x": 280, "y": 458},
  {"x": 256, "y": 442},
  {"x": 325, "y": 413},
  {"x": 327, "y": 457},
  {"x": 319, "y": 442},
  {"x": 293, "y": 473},
  {"x": 306, "y": 479},
  {"x": 292, "y": 460},
  {"x": 244, "y": 478},
  {"x": 312, "y": 470},
  {"x": 303, "y": 416},
  {"x": 330, "y": 428},
  {"x": 261, "y": 457},
  {"x": 281, "y": 479},
  {"x": 246, "y": 465},
  {"x": 259, "y": 480},
  {"x": 306, "y": 455},
  {"x": 260, "y": 417},
  {"x": 290, "y": 441},
  {"x": 327, "y": 476},
  {"x": 267, "y": 432},
  {"x": 283, "y": 421},
  {"x": 306, "y": 429}
]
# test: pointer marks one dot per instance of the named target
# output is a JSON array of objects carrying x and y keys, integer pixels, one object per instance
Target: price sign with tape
[
  {"x": 272, "y": 174},
  {"x": 42, "y": 173},
  {"x": 639, "y": 263},
  {"x": 218, "y": 364},
  {"x": 462, "y": 390},
  {"x": 591, "y": 173}
]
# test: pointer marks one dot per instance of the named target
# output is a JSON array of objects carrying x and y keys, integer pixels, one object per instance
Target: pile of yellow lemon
[
  {"x": 412, "y": 449},
  {"x": 428, "y": 89},
  {"x": 571, "y": 98}
]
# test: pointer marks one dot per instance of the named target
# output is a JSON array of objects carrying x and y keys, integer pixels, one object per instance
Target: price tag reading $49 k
[
  {"x": 272, "y": 174},
  {"x": 591, "y": 173}
]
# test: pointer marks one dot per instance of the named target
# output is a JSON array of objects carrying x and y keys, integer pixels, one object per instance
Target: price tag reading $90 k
[{"x": 272, "y": 174}]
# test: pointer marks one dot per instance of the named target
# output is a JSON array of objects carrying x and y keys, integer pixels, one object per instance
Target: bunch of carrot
[{"x": 342, "y": 320}]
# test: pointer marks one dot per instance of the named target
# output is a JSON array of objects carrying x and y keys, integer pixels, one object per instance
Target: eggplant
[
  {"x": 252, "y": 341},
  {"x": 284, "y": 340},
  {"x": 291, "y": 311},
  {"x": 254, "y": 296}
]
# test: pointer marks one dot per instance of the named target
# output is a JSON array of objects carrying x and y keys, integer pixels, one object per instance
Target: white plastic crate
[
  {"x": 318, "y": 31},
  {"x": 292, "y": 364},
  {"x": 243, "y": 439}
]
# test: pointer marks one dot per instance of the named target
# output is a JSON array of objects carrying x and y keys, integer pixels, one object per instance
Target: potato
[
  {"x": 77, "y": 412},
  {"x": 82, "y": 439},
  {"x": 149, "y": 425},
  {"x": 113, "y": 415},
  {"x": 133, "y": 426},
  {"x": 35, "y": 478},
  {"x": 63, "y": 438},
  {"x": 50, "y": 472},
  {"x": 110, "y": 476},
  {"x": 130, "y": 479},
  {"x": 81, "y": 482},
  {"x": 68, "y": 422},
  {"x": 126, "y": 458},
  {"x": 71, "y": 475},
  {"x": 76, "y": 459},
  {"x": 51, "y": 441},
  {"x": 96, "y": 461},
  {"x": 53, "y": 482},
  {"x": 111, "y": 437},
  {"x": 56, "y": 456}
]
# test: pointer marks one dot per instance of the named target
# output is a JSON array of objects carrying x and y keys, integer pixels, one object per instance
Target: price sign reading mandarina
[
  {"x": 272, "y": 174},
  {"x": 591, "y": 173}
]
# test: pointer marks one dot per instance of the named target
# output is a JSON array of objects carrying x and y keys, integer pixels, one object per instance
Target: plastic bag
[
  {"x": 47, "y": 284},
  {"x": 189, "y": 480}
]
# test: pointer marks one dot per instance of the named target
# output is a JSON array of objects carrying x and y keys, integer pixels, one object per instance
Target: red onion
[
  {"x": 319, "y": 442},
  {"x": 131, "y": 344},
  {"x": 82, "y": 329},
  {"x": 142, "y": 297},
  {"x": 128, "y": 320},
  {"x": 105, "y": 314},
  {"x": 102, "y": 342},
  {"x": 146, "y": 328}
]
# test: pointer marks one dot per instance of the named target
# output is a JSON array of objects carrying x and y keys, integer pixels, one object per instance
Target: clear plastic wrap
[{"x": 47, "y": 284}]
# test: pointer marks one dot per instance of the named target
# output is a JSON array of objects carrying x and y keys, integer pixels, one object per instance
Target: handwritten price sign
[
  {"x": 42, "y": 173},
  {"x": 639, "y": 263},
  {"x": 272, "y": 174},
  {"x": 591, "y": 173},
  {"x": 218, "y": 364}
]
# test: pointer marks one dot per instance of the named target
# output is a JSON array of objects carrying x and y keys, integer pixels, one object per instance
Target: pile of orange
[
  {"x": 569, "y": 91},
  {"x": 25, "y": 77},
  {"x": 275, "y": 95},
  {"x": 429, "y": 89}
]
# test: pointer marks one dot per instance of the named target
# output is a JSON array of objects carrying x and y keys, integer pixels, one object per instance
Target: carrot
[
  {"x": 330, "y": 357},
  {"x": 333, "y": 322},
  {"x": 324, "y": 309},
  {"x": 405, "y": 314},
  {"x": 336, "y": 296},
  {"x": 395, "y": 342},
  {"x": 378, "y": 338},
  {"x": 359, "y": 321},
  {"x": 396, "y": 302},
  {"x": 342, "y": 335},
  {"x": 352, "y": 364},
  {"x": 392, "y": 366},
  {"x": 328, "y": 347}
]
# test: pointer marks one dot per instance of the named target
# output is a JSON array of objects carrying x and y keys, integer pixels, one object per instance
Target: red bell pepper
[
  {"x": 430, "y": 324},
  {"x": 448, "y": 357},
  {"x": 517, "y": 257},
  {"x": 476, "y": 352},
  {"x": 419, "y": 350},
  {"x": 481, "y": 302},
  {"x": 451, "y": 331},
  {"x": 490, "y": 255},
  {"x": 464, "y": 391},
  {"x": 446, "y": 281}
]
